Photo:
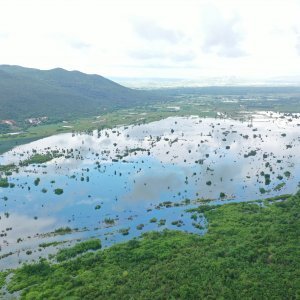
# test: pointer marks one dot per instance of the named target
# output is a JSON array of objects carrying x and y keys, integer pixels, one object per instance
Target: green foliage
[
  {"x": 37, "y": 181},
  {"x": 63, "y": 230},
  {"x": 58, "y": 191},
  {"x": 109, "y": 221},
  {"x": 5, "y": 128},
  {"x": 30, "y": 275},
  {"x": 124, "y": 231},
  {"x": 7, "y": 168},
  {"x": 140, "y": 226},
  {"x": 45, "y": 245},
  {"x": 162, "y": 222},
  {"x": 279, "y": 186},
  {"x": 249, "y": 252},
  {"x": 177, "y": 223},
  {"x": 39, "y": 158},
  {"x": 2, "y": 279},
  {"x": 60, "y": 94},
  {"x": 251, "y": 153},
  {"x": 67, "y": 253},
  {"x": 287, "y": 174},
  {"x": 203, "y": 208},
  {"x": 4, "y": 183}
]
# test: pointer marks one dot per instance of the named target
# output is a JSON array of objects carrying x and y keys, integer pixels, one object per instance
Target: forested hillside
[{"x": 59, "y": 94}]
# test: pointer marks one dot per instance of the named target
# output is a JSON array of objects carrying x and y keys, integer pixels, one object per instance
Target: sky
[{"x": 157, "y": 38}]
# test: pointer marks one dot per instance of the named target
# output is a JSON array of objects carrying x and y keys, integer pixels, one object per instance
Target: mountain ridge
[{"x": 60, "y": 94}]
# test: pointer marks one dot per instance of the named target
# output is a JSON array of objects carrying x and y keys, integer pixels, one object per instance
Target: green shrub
[{"x": 67, "y": 253}]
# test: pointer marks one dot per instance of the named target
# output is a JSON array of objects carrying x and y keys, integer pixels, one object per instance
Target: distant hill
[
  {"x": 60, "y": 94},
  {"x": 229, "y": 90}
]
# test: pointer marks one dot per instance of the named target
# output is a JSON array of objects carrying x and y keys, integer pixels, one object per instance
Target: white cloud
[
  {"x": 23, "y": 226},
  {"x": 161, "y": 55},
  {"x": 152, "y": 31},
  {"x": 222, "y": 36},
  {"x": 76, "y": 44},
  {"x": 3, "y": 35},
  {"x": 297, "y": 43},
  {"x": 180, "y": 38}
]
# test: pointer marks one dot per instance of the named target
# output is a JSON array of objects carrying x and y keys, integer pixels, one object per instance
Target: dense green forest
[
  {"x": 60, "y": 94},
  {"x": 251, "y": 251}
]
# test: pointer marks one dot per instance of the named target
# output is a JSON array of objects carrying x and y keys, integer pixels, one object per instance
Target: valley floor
[{"x": 180, "y": 103}]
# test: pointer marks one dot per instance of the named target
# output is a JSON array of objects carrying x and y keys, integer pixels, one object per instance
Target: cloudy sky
[{"x": 176, "y": 38}]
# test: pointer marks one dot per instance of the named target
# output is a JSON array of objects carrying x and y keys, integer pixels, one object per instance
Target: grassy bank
[
  {"x": 179, "y": 104},
  {"x": 137, "y": 115},
  {"x": 249, "y": 252}
]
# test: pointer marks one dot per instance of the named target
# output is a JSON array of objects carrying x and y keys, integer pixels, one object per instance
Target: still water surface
[{"x": 124, "y": 174}]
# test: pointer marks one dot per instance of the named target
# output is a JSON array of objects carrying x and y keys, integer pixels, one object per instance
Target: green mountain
[{"x": 60, "y": 94}]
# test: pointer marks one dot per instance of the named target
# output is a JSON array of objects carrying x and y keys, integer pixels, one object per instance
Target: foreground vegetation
[
  {"x": 250, "y": 251},
  {"x": 2, "y": 279},
  {"x": 80, "y": 248}
]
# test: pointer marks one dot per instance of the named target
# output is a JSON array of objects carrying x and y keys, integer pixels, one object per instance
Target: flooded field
[{"x": 117, "y": 184}]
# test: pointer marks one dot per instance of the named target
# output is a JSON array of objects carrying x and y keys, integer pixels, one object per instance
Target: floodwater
[{"x": 115, "y": 181}]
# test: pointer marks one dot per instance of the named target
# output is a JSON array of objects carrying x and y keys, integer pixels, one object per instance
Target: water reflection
[{"x": 123, "y": 174}]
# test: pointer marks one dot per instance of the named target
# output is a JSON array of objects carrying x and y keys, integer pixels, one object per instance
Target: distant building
[
  {"x": 36, "y": 121},
  {"x": 8, "y": 122}
]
